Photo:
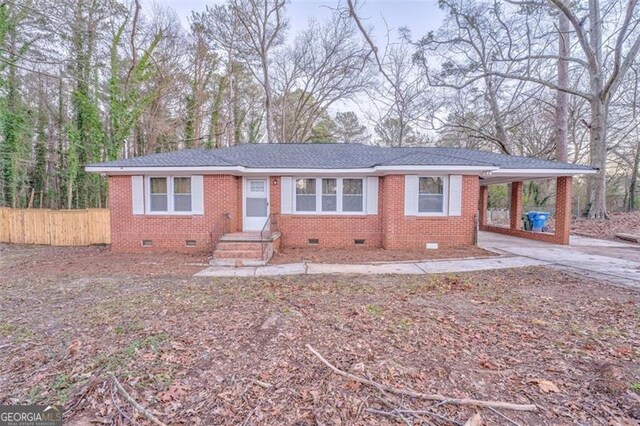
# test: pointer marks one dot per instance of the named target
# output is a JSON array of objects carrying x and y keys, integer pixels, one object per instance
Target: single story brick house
[{"x": 331, "y": 195}]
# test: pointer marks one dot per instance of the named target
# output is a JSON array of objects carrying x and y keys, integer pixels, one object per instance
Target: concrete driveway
[{"x": 617, "y": 262}]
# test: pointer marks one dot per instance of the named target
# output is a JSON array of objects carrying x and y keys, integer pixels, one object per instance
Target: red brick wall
[
  {"x": 169, "y": 232},
  {"x": 483, "y": 205},
  {"x": 331, "y": 230},
  {"x": 390, "y": 228},
  {"x": 402, "y": 232}
]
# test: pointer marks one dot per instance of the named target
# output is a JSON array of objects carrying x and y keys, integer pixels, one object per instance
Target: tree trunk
[
  {"x": 598, "y": 142},
  {"x": 634, "y": 178},
  {"x": 236, "y": 112},
  {"x": 215, "y": 131},
  {"x": 268, "y": 100},
  {"x": 562, "y": 110},
  {"x": 501, "y": 134},
  {"x": 598, "y": 128}
]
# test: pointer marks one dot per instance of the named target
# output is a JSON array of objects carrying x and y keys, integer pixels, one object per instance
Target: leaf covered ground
[
  {"x": 232, "y": 351},
  {"x": 619, "y": 222},
  {"x": 371, "y": 255}
]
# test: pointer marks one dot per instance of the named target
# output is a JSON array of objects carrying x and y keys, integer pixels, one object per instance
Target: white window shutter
[
  {"x": 286, "y": 195},
  {"x": 372, "y": 195},
  {"x": 410, "y": 195},
  {"x": 197, "y": 194},
  {"x": 137, "y": 194},
  {"x": 455, "y": 195}
]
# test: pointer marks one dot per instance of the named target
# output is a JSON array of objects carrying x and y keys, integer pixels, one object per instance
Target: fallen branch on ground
[
  {"x": 262, "y": 384},
  {"x": 419, "y": 395},
  {"x": 135, "y": 403}
]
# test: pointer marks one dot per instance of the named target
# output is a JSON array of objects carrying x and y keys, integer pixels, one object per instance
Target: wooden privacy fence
[{"x": 55, "y": 227}]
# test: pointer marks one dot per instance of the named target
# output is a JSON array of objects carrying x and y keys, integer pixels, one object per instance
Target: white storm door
[{"x": 256, "y": 204}]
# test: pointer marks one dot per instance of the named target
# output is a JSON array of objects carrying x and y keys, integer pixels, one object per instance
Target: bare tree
[
  {"x": 401, "y": 94},
  {"x": 404, "y": 105},
  {"x": 469, "y": 45},
  {"x": 203, "y": 62},
  {"x": 325, "y": 64},
  {"x": 262, "y": 24},
  {"x": 608, "y": 46}
]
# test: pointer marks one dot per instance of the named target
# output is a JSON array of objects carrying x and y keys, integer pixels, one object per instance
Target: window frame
[
  {"x": 295, "y": 195},
  {"x": 190, "y": 194},
  {"x": 170, "y": 196},
  {"x": 445, "y": 196},
  {"x": 167, "y": 193},
  {"x": 339, "y": 190},
  {"x": 322, "y": 195}
]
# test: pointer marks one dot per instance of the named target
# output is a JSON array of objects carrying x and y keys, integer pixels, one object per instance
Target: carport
[{"x": 515, "y": 179}]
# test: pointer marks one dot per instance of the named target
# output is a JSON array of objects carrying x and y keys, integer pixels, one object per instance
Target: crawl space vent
[
  {"x": 147, "y": 243},
  {"x": 314, "y": 241}
]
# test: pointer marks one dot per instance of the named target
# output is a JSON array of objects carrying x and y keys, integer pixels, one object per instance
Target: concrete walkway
[
  {"x": 613, "y": 261},
  {"x": 416, "y": 268},
  {"x": 617, "y": 262}
]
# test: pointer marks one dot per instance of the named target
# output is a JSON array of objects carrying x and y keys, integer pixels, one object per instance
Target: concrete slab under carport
[{"x": 590, "y": 257}]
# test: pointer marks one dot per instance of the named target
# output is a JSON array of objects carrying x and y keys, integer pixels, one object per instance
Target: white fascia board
[
  {"x": 514, "y": 176},
  {"x": 240, "y": 170},
  {"x": 160, "y": 170},
  {"x": 440, "y": 169},
  {"x": 541, "y": 172}
]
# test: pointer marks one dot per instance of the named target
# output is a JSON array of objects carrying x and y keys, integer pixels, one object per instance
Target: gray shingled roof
[{"x": 334, "y": 156}]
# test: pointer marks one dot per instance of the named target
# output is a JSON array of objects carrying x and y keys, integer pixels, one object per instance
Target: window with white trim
[
  {"x": 329, "y": 195},
  {"x": 158, "y": 187},
  {"x": 182, "y": 194},
  {"x": 431, "y": 194},
  {"x": 352, "y": 195},
  {"x": 170, "y": 195},
  {"x": 306, "y": 195}
]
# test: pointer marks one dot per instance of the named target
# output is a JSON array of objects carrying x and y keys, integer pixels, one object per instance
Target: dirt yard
[
  {"x": 621, "y": 222},
  {"x": 232, "y": 351},
  {"x": 369, "y": 255}
]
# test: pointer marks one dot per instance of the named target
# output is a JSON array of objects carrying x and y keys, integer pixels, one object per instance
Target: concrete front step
[
  {"x": 243, "y": 249},
  {"x": 226, "y": 245},
  {"x": 237, "y": 254},
  {"x": 248, "y": 237}
]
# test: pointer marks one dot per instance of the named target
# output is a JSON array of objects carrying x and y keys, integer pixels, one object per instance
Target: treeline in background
[{"x": 84, "y": 81}]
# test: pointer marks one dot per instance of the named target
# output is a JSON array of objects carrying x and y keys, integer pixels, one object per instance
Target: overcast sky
[
  {"x": 420, "y": 16},
  {"x": 384, "y": 17}
]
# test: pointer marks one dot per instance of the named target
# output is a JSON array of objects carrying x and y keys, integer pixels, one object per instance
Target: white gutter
[
  {"x": 291, "y": 171},
  {"x": 542, "y": 172}
]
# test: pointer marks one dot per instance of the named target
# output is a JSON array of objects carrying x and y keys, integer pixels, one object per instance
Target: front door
[{"x": 256, "y": 204}]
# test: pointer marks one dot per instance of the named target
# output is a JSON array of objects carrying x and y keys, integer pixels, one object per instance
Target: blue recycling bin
[{"x": 538, "y": 220}]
